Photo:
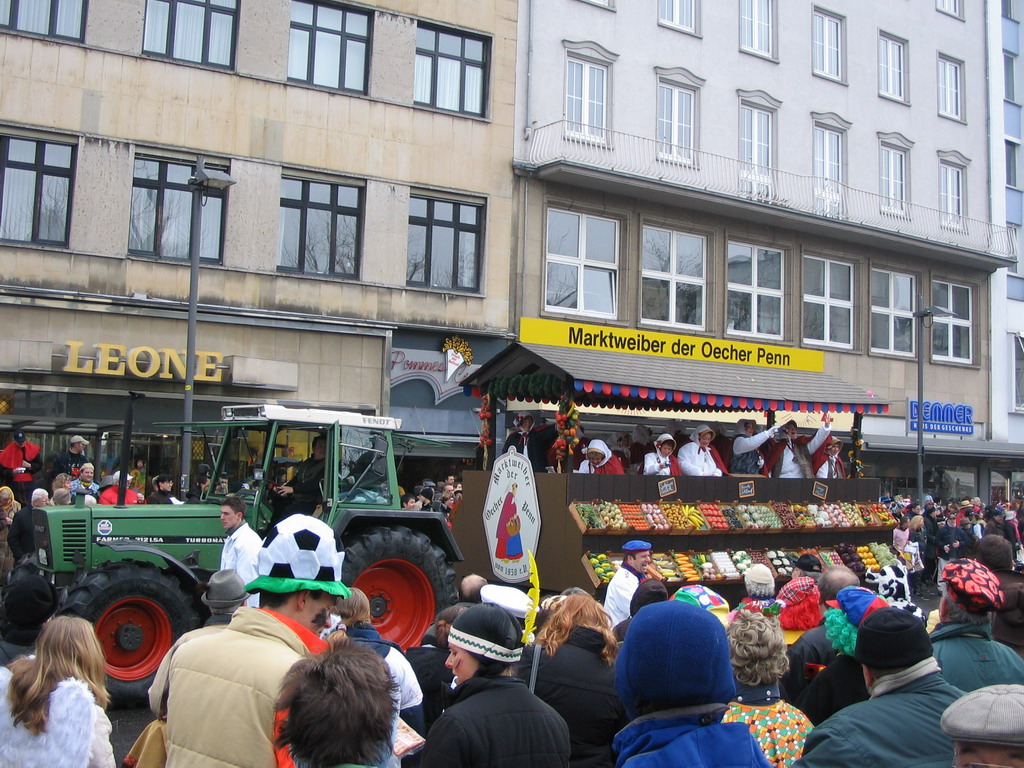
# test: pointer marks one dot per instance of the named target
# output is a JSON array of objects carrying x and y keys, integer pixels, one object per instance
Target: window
[
  {"x": 892, "y": 312},
  {"x": 1012, "y": 149},
  {"x": 949, "y": 89},
  {"x": 755, "y": 290},
  {"x": 1008, "y": 10},
  {"x": 319, "y": 228},
  {"x": 445, "y": 238},
  {"x": 161, "y": 221},
  {"x": 952, "y": 7},
  {"x": 1009, "y": 77},
  {"x": 756, "y": 151},
  {"x": 675, "y": 122},
  {"x": 585, "y": 98},
  {"x": 673, "y": 278},
  {"x": 828, "y": 171},
  {"x": 1018, "y": 370},
  {"x": 951, "y": 336},
  {"x": 582, "y": 262},
  {"x": 678, "y": 13},
  {"x": 756, "y": 26},
  {"x": 826, "y": 45},
  {"x": 53, "y": 18},
  {"x": 202, "y": 31},
  {"x": 329, "y": 46},
  {"x": 451, "y": 70},
  {"x": 893, "y": 179},
  {"x": 951, "y": 201},
  {"x": 892, "y": 70},
  {"x": 35, "y": 203},
  {"x": 828, "y": 302}
]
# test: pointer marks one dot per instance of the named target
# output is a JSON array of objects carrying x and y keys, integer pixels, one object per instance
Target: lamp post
[
  {"x": 920, "y": 315},
  {"x": 201, "y": 182}
]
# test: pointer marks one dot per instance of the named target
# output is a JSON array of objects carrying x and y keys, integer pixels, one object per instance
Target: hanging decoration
[
  {"x": 856, "y": 465},
  {"x": 486, "y": 414},
  {"x": 531, "y": 386},
  {"x": 567, "y": 420}
]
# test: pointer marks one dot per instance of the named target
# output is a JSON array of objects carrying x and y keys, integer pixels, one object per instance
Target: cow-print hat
[{"x": 972, "y": 586}]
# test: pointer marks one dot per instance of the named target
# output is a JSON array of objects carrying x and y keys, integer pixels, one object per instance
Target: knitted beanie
[
  {"x": 29, "y": 601},
  {"x": 490, "y": 634},
  {"x": 891, "y": 638},
  {"x": 759, "y": 581},
  {"x": 675, "y": 655}
]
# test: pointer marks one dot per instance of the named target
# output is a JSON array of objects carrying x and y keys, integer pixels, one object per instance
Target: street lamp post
[
  {"x": 920, "y": 315},
  {"x": 201, "y": 182}
]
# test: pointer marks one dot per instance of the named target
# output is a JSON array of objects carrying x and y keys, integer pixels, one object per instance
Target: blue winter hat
[
  {"x": 674, "y": 655},
  {"x": 636, "y": 545}
]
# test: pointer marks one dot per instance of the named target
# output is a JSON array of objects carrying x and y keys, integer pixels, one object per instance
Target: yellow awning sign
[{"x": 670, "y": 346}]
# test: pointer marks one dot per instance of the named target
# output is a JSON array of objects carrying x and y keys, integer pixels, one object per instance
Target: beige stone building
[{"x": 371, "y": 146}]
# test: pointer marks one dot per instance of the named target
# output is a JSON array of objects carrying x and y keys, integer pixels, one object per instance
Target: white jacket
[
  {"x": 697, "y": 463},
  {"x": 620, "y": 595},
  {"x": 240, "y": 553},
  {"x": 77, "y": 731}
]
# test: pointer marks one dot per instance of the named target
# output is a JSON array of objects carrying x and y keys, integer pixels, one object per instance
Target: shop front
[{"x": 68, "y": 366}]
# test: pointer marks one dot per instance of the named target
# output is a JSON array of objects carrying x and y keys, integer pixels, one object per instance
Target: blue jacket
[
  {"x": 675, "y": 738},
  {"x": 971, "y": 659}
]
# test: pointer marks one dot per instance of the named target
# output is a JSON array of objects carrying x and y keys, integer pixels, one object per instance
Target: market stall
[{"x": 683, "y": 378}]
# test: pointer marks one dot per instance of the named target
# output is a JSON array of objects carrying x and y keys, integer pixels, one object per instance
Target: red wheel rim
[
  {"x": 135, "y": 634},
  {"x": 401, "y": 600}
]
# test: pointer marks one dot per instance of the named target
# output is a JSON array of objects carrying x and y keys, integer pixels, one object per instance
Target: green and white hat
[{"x": 299, "y": 553}]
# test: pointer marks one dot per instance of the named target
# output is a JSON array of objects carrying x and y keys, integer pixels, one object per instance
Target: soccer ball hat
[{"x": 299, "y": 553}]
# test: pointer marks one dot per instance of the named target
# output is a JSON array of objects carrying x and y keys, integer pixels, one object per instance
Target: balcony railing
[{"x": 646, "y": 158}]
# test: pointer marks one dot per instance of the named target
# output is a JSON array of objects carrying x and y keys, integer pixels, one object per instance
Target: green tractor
[{"x": 133, "y": 570}]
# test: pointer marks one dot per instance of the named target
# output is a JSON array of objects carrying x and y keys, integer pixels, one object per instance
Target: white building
[{"x": 785, "y": 173}]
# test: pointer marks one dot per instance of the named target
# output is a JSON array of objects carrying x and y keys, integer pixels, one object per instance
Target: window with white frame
[
  {"x": 1018, "y": 372},
  {"x": 202, "y": 31},
  {"x": 676, "y": 110},
  {"x": 828, "y": 302},
  {"x": 951, "y": 194},
  {"x": 756, "y": 150},
  {"x": 757, "y": 26},
  {"x": 951, "y": 7},
  {"x": 892, "y": 67},
  {"x": 582, "y": 264},
  {"x": 43, "y": 17},
  {"x": 1009, "y": 76},
  {"x": 586, "y": 98},
  {"x": 678, "y": 13},
  {"x": 892, "y": 312},
  {"x": 827, "y": 45},
  {"x": 892, "y": 178},
  {"x": 950, "y": 88},
  {"x": 754, "y": 304},
  {"x": 951, "y": 336},
  {"x": 673, "y": 281},
  {"x": 828, "y": 170}
]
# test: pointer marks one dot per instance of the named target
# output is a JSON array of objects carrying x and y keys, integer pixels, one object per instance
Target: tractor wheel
[
  {"x": 405, "y": 577},
  {"x": 138, "y": 612}
]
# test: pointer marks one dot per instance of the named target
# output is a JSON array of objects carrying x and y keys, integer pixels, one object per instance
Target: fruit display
[
  {"x": 741, "y": 560},
  {"x": 588, "y": 514},
  {"x": 689, "y": 568},
  {"x": 782, "y": 561},
  {"x": 665, "y": 565},
  {"x": 760, "y": 557},
  {"x": 785, "y": 514},
  {"x": 713, "y": 514},
  {"x": 608, "y": 513},
  {"x": 758, "y": 516},
  {"x": 867, "y": 557},
  {"x": 852, "y": 513},
  {"x": 848, "y": 553},
  {"x": 804, "y": 517},
  {"x": 864, "y": 510},
  {"x": 882, "y": 554},
  {"x": 634, "y": 518},
  {"x": 829, "y": 557},
  {"x": 732, "y": 518},
  {"x": 655, "y": 517},
  {"x": 724, "y": 565},
  {"x": 603, "y": 566},
  {"x": 836, "y": 517},
  {"x": 882, "y": 514}
]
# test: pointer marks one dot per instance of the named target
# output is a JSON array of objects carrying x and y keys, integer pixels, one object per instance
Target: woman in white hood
[
  {"x": 661, "y": 461},
  {"x": 600, "y": 460},
  {"x": 699, "y": 458}
]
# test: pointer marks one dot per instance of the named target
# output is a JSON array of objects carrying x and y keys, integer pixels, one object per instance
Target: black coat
[
  {"x": 67, "y": 463},
  {"x": 541, "y": 438},
  {"x": 496, "y": 722},
  {"x": 839, "y": 685},
  {"x": 435, "y": 679},
  {"x": 20, "y": 537},
  {"x": 947, "y": 536},
  {"x": 807, "y": 656},
  {"x": 581, "y": 688}
]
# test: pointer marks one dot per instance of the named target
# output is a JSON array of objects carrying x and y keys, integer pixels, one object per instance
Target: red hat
[{"x": 972, "y": 586}]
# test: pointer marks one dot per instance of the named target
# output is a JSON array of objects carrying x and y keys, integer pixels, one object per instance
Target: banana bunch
[{"x": 695, "y": 518}]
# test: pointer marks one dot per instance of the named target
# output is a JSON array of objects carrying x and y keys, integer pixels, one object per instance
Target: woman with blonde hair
[
  {"x": 9, "y": 506},
  {"x": 55, "y": 700},
  {"x": 757, "y": 650},
  {"x": 575, "y": 674}
]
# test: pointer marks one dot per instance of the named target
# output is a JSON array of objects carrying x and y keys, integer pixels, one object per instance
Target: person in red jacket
[
  {"x": 21, "y": 460},
  {"x": 790, "y": 453},
  {"x": 827, "y": 461},
  {"x": 108, "y": 491},
  {"x": 600, "y": 460}
]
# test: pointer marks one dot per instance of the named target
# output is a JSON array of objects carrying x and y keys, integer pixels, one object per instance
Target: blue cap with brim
[{"x": 636, "y": 545}]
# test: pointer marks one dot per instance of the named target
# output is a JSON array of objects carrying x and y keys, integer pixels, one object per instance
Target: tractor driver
[{"x": 303, "y": 493}]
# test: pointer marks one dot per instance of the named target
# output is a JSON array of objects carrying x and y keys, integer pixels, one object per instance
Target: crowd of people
[{"x": 703, "y": 451}]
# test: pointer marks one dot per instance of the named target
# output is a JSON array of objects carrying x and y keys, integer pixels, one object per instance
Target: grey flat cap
[{"x": 990, "y": 715}]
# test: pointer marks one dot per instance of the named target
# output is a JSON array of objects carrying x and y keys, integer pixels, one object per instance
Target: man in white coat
[
  {"x": 637, "y": 556},
  {"x": 242, "y": 545}
]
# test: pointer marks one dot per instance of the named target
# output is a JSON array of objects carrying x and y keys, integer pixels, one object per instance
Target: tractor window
[
  {"x": 365, "y": 468},
  {"x": 241, "y": 454}
]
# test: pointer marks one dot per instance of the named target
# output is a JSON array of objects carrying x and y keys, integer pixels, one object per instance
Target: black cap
[
  {"x": 891, "y": 638},
  {"x": 808, "y": 563},
  {"x": 19, "y": 436},
  {"x": 29, "y": 601}
]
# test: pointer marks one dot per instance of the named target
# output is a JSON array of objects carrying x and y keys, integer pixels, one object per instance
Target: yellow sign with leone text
[{"x": 670, "y": 346}]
